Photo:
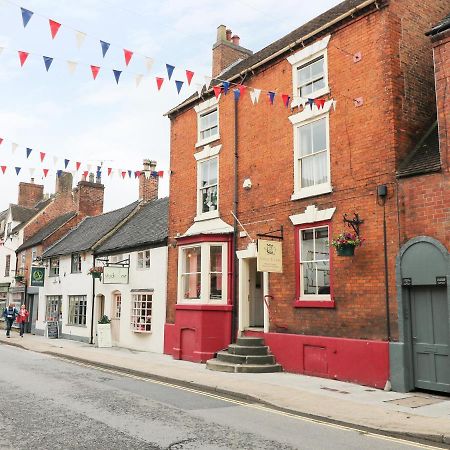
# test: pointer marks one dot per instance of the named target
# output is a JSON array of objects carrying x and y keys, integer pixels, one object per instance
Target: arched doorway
[{"x": 421, "y": 358}]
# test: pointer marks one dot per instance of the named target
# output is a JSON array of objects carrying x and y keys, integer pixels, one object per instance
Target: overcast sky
[{"x": 74, "y": 117}]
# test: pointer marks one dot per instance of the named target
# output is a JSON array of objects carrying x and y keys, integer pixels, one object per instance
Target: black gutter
[{"x": 93, "y": 303}]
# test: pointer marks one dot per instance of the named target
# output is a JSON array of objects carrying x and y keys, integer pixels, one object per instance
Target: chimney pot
[
  {"x": 91, "y": 177},
  {"x": 228, "y": 35},
  {"x": 32, "y": 181},
  {"x": 235, "y": 39}
]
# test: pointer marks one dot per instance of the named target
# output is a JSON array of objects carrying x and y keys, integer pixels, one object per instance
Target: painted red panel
[
  {"x": 315, "y": 360},
  {"x": 169, "y": 330}
]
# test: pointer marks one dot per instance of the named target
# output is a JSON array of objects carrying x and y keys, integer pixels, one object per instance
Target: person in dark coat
[
  {"x": 10, "y": 314},
  {"x": 22, "y": 319}
]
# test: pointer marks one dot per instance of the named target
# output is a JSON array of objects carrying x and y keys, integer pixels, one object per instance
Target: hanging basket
[
  {"x": 96, "y": 275},
  {"x": 346, "y": 250}
]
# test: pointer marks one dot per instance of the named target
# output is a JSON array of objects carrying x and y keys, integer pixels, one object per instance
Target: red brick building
[{"x": 360, "y": 81}]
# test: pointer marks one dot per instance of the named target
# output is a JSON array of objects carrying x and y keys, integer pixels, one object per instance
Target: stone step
[
  {"x": 247, "y": 350},
  {"x": 245, "y": 359},
  {"x": 250, "y": 341},
  {"x": 221, "y": 366}
]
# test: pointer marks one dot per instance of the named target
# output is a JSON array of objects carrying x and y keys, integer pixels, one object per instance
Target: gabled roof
[
  {"x": 425, "y": 157},
  {"x": 443, "y": 25},
  {"x": 46, "y": 231},
  {"x": 21, "y": 213},
  {"x": 149, "y": 226},
  {"x": 3, "y": 214},
  {"x": 298, "y": 34},
  {"x": 89, "y": 232}
]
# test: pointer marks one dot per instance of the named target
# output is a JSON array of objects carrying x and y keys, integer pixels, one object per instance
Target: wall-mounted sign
[
  {"x": 270, "y": 256},
  {"x": 115, "y": 275},
  {"x": 37, "y": 276}
]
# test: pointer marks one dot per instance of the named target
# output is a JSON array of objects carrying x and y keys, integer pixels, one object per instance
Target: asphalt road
[{"x": 48, "y": 403}]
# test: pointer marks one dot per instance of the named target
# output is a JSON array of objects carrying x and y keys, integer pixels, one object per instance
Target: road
[{"x": 49, "y": 403}]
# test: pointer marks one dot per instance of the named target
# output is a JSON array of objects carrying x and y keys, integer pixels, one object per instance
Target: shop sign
[
  {"x": 270, "y": 256},
  {"x": 37, "y": 276},
  {"x": 115, "y": 275}
]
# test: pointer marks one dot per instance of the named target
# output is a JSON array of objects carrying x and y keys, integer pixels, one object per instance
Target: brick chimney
[
  {"x": 89, "y": 196},
  {"x": 63, "y": 183},
  {"x": 30, "y": 194},
  {"x": 226, "y": 50},
  {"x": 148, "y": 181}
]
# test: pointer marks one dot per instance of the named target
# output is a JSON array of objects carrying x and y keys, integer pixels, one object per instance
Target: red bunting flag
[
  {"x": 45, "y": 172},
  {"x": 85, "y": 174},
  {"x": 1, "y": 140},
  {"x": 123, "y": 174},
  {"x": 42, "y": 154},
  {"x": 242, "y": 89},
  {"x": 78, "y": 165},
  {"x": 3, "y": 169},
  {"x": 137, "y": 174},
  {"x": 128, "y": 54},
  {"x": 159, "y": 82},
  {"x": 217, "y": 91},
  {"x": 109, "y": 171},
  {"x": 23, "y": 57},
  {"x": 95, "y": 70},
  {"x": 189, "y": 75},
  {"x": 160, "y": 173},
  {"x": 286, "y": 99},
  {"x": 319, "y": 102},
  {"x": 54, "y": 27}
]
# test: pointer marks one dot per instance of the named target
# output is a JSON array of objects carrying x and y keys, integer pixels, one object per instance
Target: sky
[{"x": 97, "y": 122}]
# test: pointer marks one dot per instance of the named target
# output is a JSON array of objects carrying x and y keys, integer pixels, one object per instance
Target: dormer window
[{"x": 207, "y": 122}]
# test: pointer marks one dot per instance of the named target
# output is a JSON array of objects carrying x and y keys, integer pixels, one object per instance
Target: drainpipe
[
  {"x": 234, "y": 314},
  {"x": 93, "y": 304}
]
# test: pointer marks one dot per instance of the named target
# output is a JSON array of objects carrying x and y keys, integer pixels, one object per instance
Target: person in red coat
[{"x": 22, "y": 319}]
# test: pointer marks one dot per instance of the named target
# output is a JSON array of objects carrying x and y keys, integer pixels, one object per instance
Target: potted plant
[
  {"x": 96, "y": 272},
  {"x": 18, "y": 278},
  {"x": 104, "y": 338},
  {"x": 345, "y": 243}
]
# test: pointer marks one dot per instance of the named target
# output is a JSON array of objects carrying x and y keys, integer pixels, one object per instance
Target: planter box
[
  {"x": 346, "y": 250},
  {"x": 104, "y": 339},
  {"x": 96, "y": 275}
]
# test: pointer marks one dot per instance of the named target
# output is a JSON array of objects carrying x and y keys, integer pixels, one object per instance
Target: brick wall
[
  {"x": 89, "y": 198},
  {"x": 30, "y": 194},
  {"x": 148, "y": 183}
]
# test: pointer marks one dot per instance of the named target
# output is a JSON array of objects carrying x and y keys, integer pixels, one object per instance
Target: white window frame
[
  {"x": 304, "y": 57},
  {"x": 50, "y": 302},
  {"x": 55, "y": 273},
  {"x": 33, "y": 254},
  {"x": 302, "y": 295},
  {"x": 306, "y": 117},
  {"x": 78, "y": 264},
  {"x": 136, "y": 298},
  {"x": 117, "y": 303},
  {"x": 202, "y": 109},
  {"x": 142, "y": 261},
  {"x": 205, "y": 295},
  {"x": 71, "y": 310}
]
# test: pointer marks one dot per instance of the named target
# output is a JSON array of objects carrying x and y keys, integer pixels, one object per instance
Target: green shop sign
[{"x": 37, "y": 276}]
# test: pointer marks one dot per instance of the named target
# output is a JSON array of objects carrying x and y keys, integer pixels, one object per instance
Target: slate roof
[
  {"x": 46, "y": 231},
  {"x": 21, "y": 213},
  {"x": 149, "y": 226},
  {"x": 443, "y": 25},
  {"x": 285, "y": 41},
  {"x": 89, "y": 232},
  {"x": 425, "y": 157}
]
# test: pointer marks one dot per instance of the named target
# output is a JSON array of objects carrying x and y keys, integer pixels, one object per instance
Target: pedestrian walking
[
  {"x": 10, "y": 314},
  {"x": 22, "y": 319}
]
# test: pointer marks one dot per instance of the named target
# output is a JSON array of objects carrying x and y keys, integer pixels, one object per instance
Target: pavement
[{"x": 417, "y": 415}]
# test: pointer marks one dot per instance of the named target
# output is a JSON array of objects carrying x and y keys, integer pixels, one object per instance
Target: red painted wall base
[{"x": 356, "y": 360}]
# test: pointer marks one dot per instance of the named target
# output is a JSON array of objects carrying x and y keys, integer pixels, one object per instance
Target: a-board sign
[{"x": 52, "y": 329}]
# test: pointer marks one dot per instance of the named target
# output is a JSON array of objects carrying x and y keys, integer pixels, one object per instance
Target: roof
[
  {"x": 89, "y": 232},
  {"x": 46, "y": 231},
  {"x": 3, "y": 214},
  {"x": 443, "y": 25},
  {"x": 149, "y": 226},
  {"x": 425, "y": 157},
  {"x": 296, "y": 35},
  {"x": 21, "y": 213}
]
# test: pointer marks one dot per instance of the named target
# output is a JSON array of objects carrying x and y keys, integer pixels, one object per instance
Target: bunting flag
[
  {"x": 55, "y": 160},
  {"x": 207, "y": 82},
  {"x": 242, "y": 89},
  {"x": 310, "y": 102},
  {"x": 271, "y": 95},
  {"x": 14, "y": 147},
  {"x": 147, "y": 175},
  {"x": 3, "y": 169},
  {"x": 128, "y": 54},
  {"x": 200, "y": 89},
  {"x": 18, "y": 170},
  {"x": 137, "y": 173},
  {"x": 72, "y": 66},
  {"x": 89, "y": 167},
  {"x": 29, "y": 150},
  {"x": 23, "y": 57},
  {"x": 31, "y": 170},
  {"x": 58, "y": 173},
  {"x": 105, "y": 47},
  {"x": 95, "y": 70},
  {"x": 226, "y": 86},
  {"x": 149, "y": 63},
  {"x": 45, "y": 172},
  {"x": 66, "y": 163},
  {"x": 80, "y": 37},
  {"x": 85, "y": 174},
  {"x": 334, "y": 105},
  {"x": 123, "y": 174},
  {"x": 77, "y": 165},
  {"x": 138, "y": 79},
  {"x": 189, "y": 75},
  {"x": 160, "y": 173},
  {"x": 54, "y": 27},
  {"x": 170, "y": 70},
  {"x": 1, "y": 140},
  {"x": 217, "y": 91},
  {"x": 286, "y": 98},
  {"x": 159, "y": 82},
  {"x": 109, "y": 171},
  {"x": 319, "y": 102},
  {"x": 42, "y": 156},
  {"x": 255, "y": 95},
  {"x": 117, "y": 74},
  {"x": 1, "y": 50},
  {"x": 179, "y": 85},
  {"x": 26, "y": 16},
  {"x": 48, "y": 62},
  {"x": 237, "y": 94},
  {"x": 129, "y": 173}
]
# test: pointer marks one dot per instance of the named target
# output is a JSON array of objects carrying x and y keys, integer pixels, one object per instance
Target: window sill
[
  {"x": 206, "y": 141},
  {"x": 312, "y": 192},
  {"x": 314, "y": 303},
  {"x": 206, "y": 216},
  {"x": 74, "y": 325},
  {"x": 141, "y": 331}
]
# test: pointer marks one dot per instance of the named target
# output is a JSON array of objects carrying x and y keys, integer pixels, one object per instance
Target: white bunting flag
[
  {"x": 1, "y": 50},
  {"x": 72, "y": 66},
  {"x": 334, "y": 105},
  {"x": 199, "y": 89},
  {"x": 147, "y": 174},
  {"x": 149, "y": 63},
  {"x": 31, "y": 171},
  {"x": 55, "y": 160},
  {"x": 139, "y": 79},
  {"x": 14, "y": 147},
  {"x": 254, "y": 95},
  {"x": 80, "y": 37},
  {"x": 89, "y": 168},
  {"x": 208, "y": 81},
  {"x": 119, "y": 173}
]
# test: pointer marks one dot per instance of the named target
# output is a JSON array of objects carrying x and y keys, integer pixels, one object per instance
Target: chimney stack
[
  {"x": 148, "y": 181},
  {"x": 63, "y": 183},
  {"x": 30, "y": 194},
  {"x": 89, "y": 196},
  {"x": 226, "y": 50}
]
